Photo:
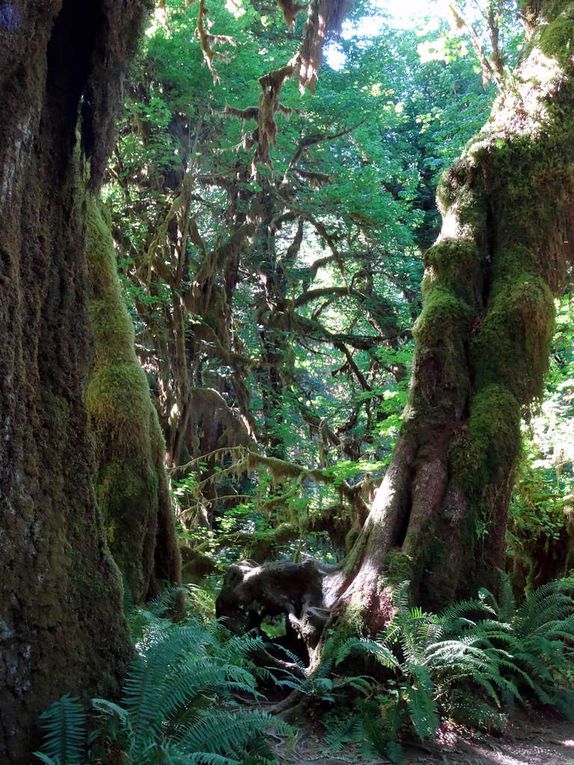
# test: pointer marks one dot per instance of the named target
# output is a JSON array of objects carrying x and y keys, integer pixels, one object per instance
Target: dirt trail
[
  {"x": 530, "y": 739},
  {"x": 533, "y": 739}
]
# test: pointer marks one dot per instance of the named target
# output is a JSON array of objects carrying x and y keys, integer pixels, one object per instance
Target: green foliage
[
  {"x": 64, "y": 728},
  {"x": 322, "y": 686},
  {"x": 179, "y": 703},
  {"x": 180, "y": 697},
  {"x": 467, "y": 663},
  {"x": 314, "y": 345}
]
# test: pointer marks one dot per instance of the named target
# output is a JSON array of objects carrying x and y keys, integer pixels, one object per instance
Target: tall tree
[
  {"x": 482, "y": 339},
  {"x": 61, "y": 625}
]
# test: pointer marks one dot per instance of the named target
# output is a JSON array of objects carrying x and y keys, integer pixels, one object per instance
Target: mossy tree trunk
[
  {"x": 61, "y": 624},
  {"x": 482, "y": 340},
  {"x": 131, "y": 484}
]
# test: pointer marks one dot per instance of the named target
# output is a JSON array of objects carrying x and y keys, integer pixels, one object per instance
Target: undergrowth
[
  {"x": 181, "y": 702},
  {"x": 471, "y": 664},
  {"x": 184, "y": 696}
]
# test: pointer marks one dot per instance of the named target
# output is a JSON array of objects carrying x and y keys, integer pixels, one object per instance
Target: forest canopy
[{"x": 286, "y": 375}]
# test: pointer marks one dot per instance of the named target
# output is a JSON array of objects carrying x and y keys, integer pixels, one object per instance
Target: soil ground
[{"x": 534, "y": 738}]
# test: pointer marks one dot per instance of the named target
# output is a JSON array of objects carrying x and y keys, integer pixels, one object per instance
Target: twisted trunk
[
  {"x": 482, "y": 344},
  {"x": 439, "y": 517}
]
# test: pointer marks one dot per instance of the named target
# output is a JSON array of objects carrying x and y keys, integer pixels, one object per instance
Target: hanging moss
[{"x": 131, "y": 486}]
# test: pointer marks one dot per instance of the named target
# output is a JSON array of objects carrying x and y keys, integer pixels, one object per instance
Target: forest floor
[{"x": 534, "y": 738}]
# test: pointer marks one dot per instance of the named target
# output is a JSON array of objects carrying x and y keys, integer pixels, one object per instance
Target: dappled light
[{"x": 286, "y": 382}]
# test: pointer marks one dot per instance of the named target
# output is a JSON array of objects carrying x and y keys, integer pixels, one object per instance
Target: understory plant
[
  {"x": 181, "y": 703},
  {"x": 184, "y": 697},
  {"x": 470, "y": 664}
]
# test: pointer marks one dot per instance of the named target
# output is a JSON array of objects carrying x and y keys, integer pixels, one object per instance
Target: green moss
[
  {"x": 441, "y": 333},
  {"x": 538, "y": 185},
  {"x": 117, "y": 398},
  {"x": 113, "y": 331},
  {"x": 131, "y": 487},
  {"x": 443, "y": 314},
  {"x": 514, "y": 260},
  {"x": 456, "y": 266},
  {"x": 511, "y": 347},
  {"x": 490, "y": 447},
  {"x": 398, "y": 567},
  {"x": 100, "y": 250},
  {"x": 511, "y": 194},
  {"x": 557, "y": 39},
  {"x": 494, "y": 426},
  {"x": 126, "y": 494}
]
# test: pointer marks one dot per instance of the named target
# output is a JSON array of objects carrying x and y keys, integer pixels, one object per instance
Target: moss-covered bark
[
  {"x": 482, "y": 338},
  {"x": 61, "y": 624},
  {"x": 131, "y": 486}
]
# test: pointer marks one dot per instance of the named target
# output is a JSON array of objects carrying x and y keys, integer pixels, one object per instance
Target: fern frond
[
  {"x": 172, "y": 754},
  {"x": 371, "y": 647},
  {"x": 467, "y": 708},
  {"x": 63, "y": 725},
  {"x": 223, "y": 732},
  {"x": 421, "y": 703},
  {"x": 401, "y": 597}
]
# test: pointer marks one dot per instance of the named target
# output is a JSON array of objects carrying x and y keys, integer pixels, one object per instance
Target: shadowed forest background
[{"x": 286, "y": 377}]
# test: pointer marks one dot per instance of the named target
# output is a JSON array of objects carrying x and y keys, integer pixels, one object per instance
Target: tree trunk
[
  {"x": 61, "y": 625},
  {"x": 482, "y": 340},
  {"x": 131, "y": 486}
]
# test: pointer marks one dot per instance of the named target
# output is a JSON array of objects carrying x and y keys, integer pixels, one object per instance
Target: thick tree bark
[
  {"x": 439, "y": 518},
  {"x": 61, "y": 625}
]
